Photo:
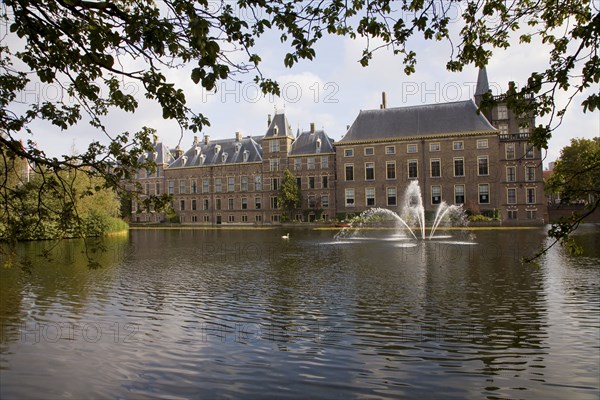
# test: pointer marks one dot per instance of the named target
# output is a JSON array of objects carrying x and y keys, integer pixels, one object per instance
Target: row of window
[
  {"x": 275, "y": 145},
  {"x": 511, "y": 195},
  {"x": 274, "y": 163},
  {"x": 144, "y": 173},
  {"x": 513, "y": 214},
  {"x": 414, "y": 148},
  {"x": 230, "y": 218},
  {"x": 412, "y": 166},
  {"x": 511, "y": 173},
  {"x": 436, "y": 195},
  {"x": 229, "y": 184},
  {"x": 244, "y": 218},
  {"x": 311, "y": 183},
  {"x": 510, "y": 151},
  {"x": 311, "y": 163},
  {"x": 313, "y": 201},
  {"x": 503, "y": 128}
]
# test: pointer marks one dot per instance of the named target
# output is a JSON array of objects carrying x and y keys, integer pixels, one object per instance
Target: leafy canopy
[
  {"x": 576, "y": 177},
  {"x": 577, "y": 173},
  {"x": 35, "y": 206}
]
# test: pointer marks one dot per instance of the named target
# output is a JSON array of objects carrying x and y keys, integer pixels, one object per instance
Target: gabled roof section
[
  {"x": 482, "y": 83},
  {"x": 459, "y": 117},
  {"x": 220, "y": 152},
  {"x": 279, "y": 127},
  {"x": 312, "y": 143},
  {"x": 161, "y": 155}
]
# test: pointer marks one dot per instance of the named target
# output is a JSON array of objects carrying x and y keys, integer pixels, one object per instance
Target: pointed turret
[{"x": 482, "y": 86}]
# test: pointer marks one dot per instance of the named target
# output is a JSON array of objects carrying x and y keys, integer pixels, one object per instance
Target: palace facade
[{"x": 458, "y": 155}]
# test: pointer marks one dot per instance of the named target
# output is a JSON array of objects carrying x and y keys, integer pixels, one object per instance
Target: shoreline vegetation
[
  {"x": 41, "y": 204},
  {"x": 93, "y": 226}
]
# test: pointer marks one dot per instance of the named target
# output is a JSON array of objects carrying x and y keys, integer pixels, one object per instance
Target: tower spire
[
  {"x": 482, "y": 82},
  {"x": 482, "y": 85}
]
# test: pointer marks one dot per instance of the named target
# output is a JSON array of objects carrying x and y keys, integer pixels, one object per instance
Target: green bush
[{"x": 479, "y": 218}]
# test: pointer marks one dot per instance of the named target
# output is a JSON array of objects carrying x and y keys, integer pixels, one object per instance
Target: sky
[{"x": 329, "y": 91}]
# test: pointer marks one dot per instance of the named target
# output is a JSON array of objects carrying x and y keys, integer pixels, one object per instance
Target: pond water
[{"x": 246, "y": 314}]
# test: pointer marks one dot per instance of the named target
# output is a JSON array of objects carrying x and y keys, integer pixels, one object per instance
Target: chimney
[
  {"x": 269, "y": 121},
  {"x": 195, "y": 140},
  {"x": 383, "y": 101},
  {"x": 312, "y": 127},
  {"x": 206, "y": 139},
  {"x": 238, "y": 136},
  {"x": 178, "y": 152}
]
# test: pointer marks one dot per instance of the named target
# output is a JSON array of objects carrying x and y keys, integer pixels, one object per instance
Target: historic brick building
[
  {"x": 236, "y": 181},
  {"x": 449, "y": 148},
  {"x": 458, "y": 155},
  {"x": 482, "y": 161},
  {"x": 152, "y": 183},
  {"x": 520, "y": 180}
]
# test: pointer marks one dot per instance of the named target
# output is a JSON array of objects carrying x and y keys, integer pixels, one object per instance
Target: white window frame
[
  {"x": 508, "y": 190},
  {"x": 454, "y": 166},
  {"x": 479, "y": 186},
  {"x": 431, "y": 161},
  {"x": 458, "y": 145},
  {"x": 370, "y": 194},
  {"x": 487, "y": 163},
  {"x": 408, "y": 162},
  {"x": 440, "y": 194},
  {"x": 350, "y": 194}
]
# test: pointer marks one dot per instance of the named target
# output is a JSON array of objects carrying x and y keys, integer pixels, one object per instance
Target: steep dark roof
[
  {"x": 482, "y": 82},
  {"x": 306, "y": 143},
  {"x": 201, "y": 154},
  {"x": 160, "y": 155},
  {"x": 283, "y": 127},
  {"x": 426, "y": 120}
]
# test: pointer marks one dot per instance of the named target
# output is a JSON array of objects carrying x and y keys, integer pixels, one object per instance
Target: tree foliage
[
  {"x": 35, "y": 206},
  {"x": 93, "y": 49},
  {"x": 289, "y": 194},
  {"x": 577, "y": 172},
  {"x": 577, "y": 178}
]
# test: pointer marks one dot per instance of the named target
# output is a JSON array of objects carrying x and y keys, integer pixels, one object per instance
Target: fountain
[{"x": 411, "y": 215}]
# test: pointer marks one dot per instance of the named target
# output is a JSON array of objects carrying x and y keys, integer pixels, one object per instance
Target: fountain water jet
[
  {"x": 442, "y": 211},
  {"x": 412, "y": 214}
]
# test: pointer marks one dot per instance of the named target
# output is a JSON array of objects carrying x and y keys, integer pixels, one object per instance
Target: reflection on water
[{"x": 225, "y": 313}]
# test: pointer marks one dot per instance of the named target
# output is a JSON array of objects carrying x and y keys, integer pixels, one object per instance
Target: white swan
[{"x": 287, "y": 236}]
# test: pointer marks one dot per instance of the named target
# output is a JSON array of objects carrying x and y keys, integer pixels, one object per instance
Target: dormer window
[
  {"x": 198, "y": 150},
  {"x": 246, "y": 154},
  {"x": 155, "y": 156},
  {"x": 238, "y": 146},
  {"x": 183, "y": 160},
  {"x": 318, "y": 144},
  {"x": 223, "y": 157},
  {"x": 217, "y": 149},
  {"x": 275, "y": 130},
  {"x": 202, "y": 158}
]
